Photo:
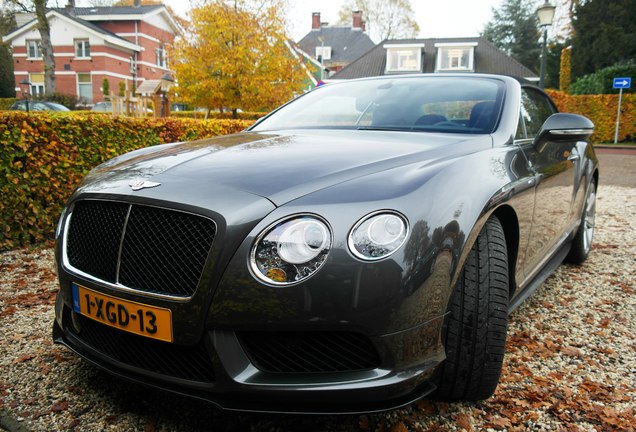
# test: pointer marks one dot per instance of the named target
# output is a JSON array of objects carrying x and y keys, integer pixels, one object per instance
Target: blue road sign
[{"x": 622, "y": 82}]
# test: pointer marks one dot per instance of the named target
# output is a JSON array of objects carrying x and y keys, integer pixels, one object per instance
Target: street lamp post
[
  {"x": 166, "y": 84},
  {"x": 26, "y": 93},
  {"x": 546, "y": 14}
]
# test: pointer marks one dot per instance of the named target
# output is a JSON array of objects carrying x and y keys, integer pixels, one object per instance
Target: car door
[{"x": 554, "y": 166}]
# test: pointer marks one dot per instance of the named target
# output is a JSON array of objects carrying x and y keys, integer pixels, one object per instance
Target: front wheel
[
  {"x": 476, "y": 328},
  {"x": 582, "y": 241}
]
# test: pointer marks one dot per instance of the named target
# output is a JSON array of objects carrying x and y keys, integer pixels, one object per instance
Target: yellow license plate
[{"x": 144, "y": 320}]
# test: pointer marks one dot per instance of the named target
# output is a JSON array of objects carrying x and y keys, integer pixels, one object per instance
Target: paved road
[{"x": 617, "y": 169}]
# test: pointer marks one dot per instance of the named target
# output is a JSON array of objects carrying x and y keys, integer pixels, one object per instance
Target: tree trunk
[{"x": 47, "y": 48}]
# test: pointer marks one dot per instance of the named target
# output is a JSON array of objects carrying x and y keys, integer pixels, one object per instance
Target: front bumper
[{"x": 221, "y": 372}]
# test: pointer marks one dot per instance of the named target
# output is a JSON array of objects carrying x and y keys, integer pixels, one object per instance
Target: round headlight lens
[
  {"x": 302, "y": 241},
  {"x": 291, "y": 251},
  {"x": 378, "y": 235}
]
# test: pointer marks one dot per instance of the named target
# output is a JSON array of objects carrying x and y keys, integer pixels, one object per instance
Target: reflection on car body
[{"x": 355, "y": 250}]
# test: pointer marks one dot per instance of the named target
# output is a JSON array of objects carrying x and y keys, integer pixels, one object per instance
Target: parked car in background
[
  {"x": 357, "y": 249},
  {"x": 38, "y": 106},
  {"x": 103, "y": 107}
]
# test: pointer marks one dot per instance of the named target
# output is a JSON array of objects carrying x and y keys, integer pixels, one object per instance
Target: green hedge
[
  {"x": 217, "y": 115},
  {"x": 5, "y": 103},
  {"x": 45, "y": 156},
  {"x": 601, "y": 109}
]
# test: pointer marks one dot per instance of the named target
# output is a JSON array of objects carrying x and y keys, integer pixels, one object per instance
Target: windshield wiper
[{"x": 384, "y": 128}]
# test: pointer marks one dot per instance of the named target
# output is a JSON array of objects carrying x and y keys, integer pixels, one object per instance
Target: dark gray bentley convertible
[{"x": 358, "y": 248}]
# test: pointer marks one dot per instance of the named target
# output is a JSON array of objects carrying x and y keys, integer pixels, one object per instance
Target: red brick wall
[
  {"x": 66, "y": 78},
  {"x": 147, "y": 55}
]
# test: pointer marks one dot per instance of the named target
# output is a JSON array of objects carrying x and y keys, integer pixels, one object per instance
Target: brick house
[
  {"x": 334, "y": 47},
  {"x": 121, "y": 43}
]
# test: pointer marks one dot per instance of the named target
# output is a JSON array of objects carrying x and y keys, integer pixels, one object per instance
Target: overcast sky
[{"x": 446, "y": 18}]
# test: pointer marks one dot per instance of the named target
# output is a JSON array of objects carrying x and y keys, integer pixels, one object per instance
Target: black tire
[
  {"x": 582, "y": 241},
  {"x": 476, "y": 328}
]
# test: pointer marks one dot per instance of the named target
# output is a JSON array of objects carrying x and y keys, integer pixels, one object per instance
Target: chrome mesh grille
[
  {"x": 141, "y": 247},
  {"x": 94, "y": 237}
]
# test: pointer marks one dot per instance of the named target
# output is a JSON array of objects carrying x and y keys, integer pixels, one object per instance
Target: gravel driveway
[{"x": 570, "y": 362}]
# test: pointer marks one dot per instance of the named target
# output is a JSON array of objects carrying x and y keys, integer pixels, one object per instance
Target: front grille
[
  {"x": 313, "y": 352},
  {"x": 141, "y": 247},
  {"x": 189, "y": 363}
]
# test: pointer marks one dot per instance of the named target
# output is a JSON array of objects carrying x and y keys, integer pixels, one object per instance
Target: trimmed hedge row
[
  {"x": 601, "y": 109},
  {"x": 217, "y": 115},
  {"x": 45, "y": 156}
]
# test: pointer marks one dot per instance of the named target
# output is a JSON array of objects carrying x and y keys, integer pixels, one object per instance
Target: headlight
[
  {"x": 290, "y": 251},
  {"x": 378, "y": 235}
]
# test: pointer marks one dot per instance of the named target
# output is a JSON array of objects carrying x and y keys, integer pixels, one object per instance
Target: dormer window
[
  {"x": 323, "y": 52},
  {"x": 404, "y": 57},
  {"x": 453, "y": 57}
]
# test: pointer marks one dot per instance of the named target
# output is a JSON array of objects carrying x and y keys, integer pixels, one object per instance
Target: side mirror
[{"x": 563, "y": 126}]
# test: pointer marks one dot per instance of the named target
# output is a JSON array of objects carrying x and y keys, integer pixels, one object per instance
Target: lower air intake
[{"x": 310, "y": 352}]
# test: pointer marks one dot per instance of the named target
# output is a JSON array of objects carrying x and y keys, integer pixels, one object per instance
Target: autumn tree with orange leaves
[{"x": 235, "y": 55}]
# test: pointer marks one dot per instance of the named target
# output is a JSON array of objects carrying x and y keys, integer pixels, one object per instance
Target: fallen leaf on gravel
[
  {"x": 24, "y": 358},
  {"x": 8, "y": 311},
  {"x": 500, "y": 423},
  {"x": 464, "y": 422},
  {"x": 626, "y": 288},
  {"x": 571, "y": 351},
  {"x": 399, "y": 427},
  {"x": 426, "y": 406},
  {"x": 605, "y": 246},
  {"x": 36, "y": 415},
  {"x": 522, "y": 403},
  {"x": 59, "y": 406},
  {"x": 363, "y": 422},
  {"x": 150, "y": 426},
  {"x": 111, "y": 419}
]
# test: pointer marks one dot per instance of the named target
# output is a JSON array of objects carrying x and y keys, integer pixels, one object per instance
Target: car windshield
[{"x": 470, "y": 105}]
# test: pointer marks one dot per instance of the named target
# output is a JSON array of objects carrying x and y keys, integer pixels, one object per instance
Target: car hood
[{"x": 281, "y": 166}]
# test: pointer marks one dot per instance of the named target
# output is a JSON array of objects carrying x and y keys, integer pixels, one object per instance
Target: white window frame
[
  {"x": 37, "y": 44},
  {"x": 325, "y": 51},
  {"x": 161, "y": 59},
  {"x": 82, "y": 45},
  {"x": 414, "y": 48},
  {"x": 37, "y": 87},
  {"x": 443, "y": 49},
  {"x": 78, "y": 84}
]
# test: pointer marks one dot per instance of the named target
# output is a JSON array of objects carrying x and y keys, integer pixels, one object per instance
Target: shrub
[
  {"x": 44, "y": 157},
  {"x": 5, "y": 103},
  {"x": 106, "y": 88},
  {"x": 601, "y": 81},
  {"x": 217, "y": 115},
  {"x": 565, "y": 70},
  {"x": 601, "y": 109}
]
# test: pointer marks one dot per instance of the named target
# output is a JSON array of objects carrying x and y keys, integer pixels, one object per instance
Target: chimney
[
  {"x": 315, "y": 21},
  {"x": 358, "y": 24},
  {"x": 70, "y": 7},
  {"x": 137, "y": 3}
]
